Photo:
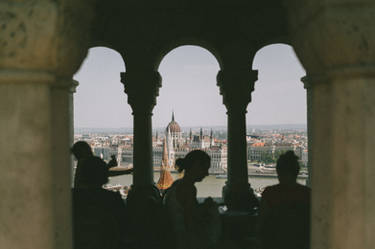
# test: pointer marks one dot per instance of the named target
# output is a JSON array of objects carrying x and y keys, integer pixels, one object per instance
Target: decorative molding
[
  {"x": 142, "y": 88},
  {"x": 342, "y": 72},
  {"x": 17, "y": 76},
  {"x": 236, "y": 87}
]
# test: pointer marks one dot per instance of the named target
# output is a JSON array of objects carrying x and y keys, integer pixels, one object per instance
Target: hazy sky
[{"x": 189, "y": 88}]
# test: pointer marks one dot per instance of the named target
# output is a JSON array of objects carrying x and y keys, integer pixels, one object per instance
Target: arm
[{"x": 120, "y": 172}]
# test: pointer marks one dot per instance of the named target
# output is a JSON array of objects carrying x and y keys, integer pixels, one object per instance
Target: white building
[{"x": 178, "y": 147}]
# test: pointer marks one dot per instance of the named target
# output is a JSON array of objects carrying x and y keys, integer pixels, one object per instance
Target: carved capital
[
  {"x": 65, "y": 84},
  {"x": 142, "y": 89},
  {"x": 44, "y": 36},
  {"x": 236, "y": 87},
  {"x": 332, "y": 35},
  {"x": 306, "y": 82},
  {"x": 74, "y": 86}
]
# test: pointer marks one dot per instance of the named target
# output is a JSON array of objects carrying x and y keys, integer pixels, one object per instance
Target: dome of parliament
[{"x": 173, "y": 126}]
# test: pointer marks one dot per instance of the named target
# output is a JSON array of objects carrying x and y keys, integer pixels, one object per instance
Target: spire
[
  {"x": 166, "y": 179},
  {"x": 169, "y": 131},
  {"x": 164, "y": 159},
  {"x": 172, "y": 115},
  {"x": 201, "y": 133},
  {"x": 191, "y": 134},
  {"x": 211, "y": 134}
]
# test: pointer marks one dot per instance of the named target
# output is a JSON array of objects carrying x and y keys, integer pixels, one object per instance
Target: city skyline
[{"x": 189, "y": 88}]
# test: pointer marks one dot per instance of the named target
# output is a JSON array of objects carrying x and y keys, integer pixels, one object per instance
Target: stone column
[
  {"x": 26, "y": 186},
  {"x": 62, "y": 120},
  {"x": 343, "y": 197},
  {"x": 39, "y": 40},
  {"x": 334, "y": 40},
  {"x": 142, "y": 88},
  {"x": 236, "y": 87},
  {"x": 307, "y": 86},
  {"x": 72, "y": 90}
]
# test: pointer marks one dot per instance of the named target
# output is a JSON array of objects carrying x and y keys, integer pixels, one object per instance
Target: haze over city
[{"x": 189, "y": 89}]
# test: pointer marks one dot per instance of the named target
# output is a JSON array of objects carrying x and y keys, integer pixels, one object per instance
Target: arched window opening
[
  {"x": 102, "y": 116},
  {"x": 190, "y": 115},
  {"x": 276, "y": 118}
]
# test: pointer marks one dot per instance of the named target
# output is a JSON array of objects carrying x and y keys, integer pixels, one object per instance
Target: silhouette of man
[
  {"x": 284, "y": 219},
  {"x": 82, "y": 150},
  {"x": 99, "y": 219}
]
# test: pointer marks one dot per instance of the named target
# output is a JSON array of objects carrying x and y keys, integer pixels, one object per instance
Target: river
[{"x": 210, "y": 186}]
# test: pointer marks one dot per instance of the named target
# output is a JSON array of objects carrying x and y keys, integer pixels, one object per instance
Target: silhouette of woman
[{"x": 193, "y": 225}]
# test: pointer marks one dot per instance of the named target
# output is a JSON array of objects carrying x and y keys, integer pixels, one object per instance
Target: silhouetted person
[
  {"x": 193, "y": 225},
  {"x": 81, "y": 150},
  {"x": 284, "y": 220},
  {"x": 98, "y": 215}
]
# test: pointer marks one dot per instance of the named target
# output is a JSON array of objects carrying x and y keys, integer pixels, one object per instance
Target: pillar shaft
[
  {"x": 62, "y": 118},
  {"x": 142, "y": 154},
  {"x": 142, "y": 89},
  {"x": 236, "y": 87},
  {"x": 27, "y": 192},
  {"x": 309, "y": 99},
  {"x": 143, "y": 199},
  {"x": 71, "y": 126},
  {"x": 343, "y": 197},
  {"x": 237, "y": 148}
]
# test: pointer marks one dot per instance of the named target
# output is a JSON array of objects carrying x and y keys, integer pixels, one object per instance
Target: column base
[
  {"x": 144, "y": 212},
  {"x": 240, "y": 197}
]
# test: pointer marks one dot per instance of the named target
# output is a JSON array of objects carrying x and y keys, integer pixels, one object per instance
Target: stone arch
[
  {"x": 208, "y": 72},
  {"x": 269, "y": 45},
  {"x": 191, "y": 99},
  {"x": 278, "y": 72},
  {"x": 204, "y": 45},
  {"x": 279, "y": 83},
  {"x": 111, "y": 49},
  {"x": 95, "y": 73}
]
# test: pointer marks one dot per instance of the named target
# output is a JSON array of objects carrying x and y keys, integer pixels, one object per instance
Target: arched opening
[
  {"x": 189, "y": 91},
  {"x": 102, "y": 116},
  {"x": 277, "y": 114}
]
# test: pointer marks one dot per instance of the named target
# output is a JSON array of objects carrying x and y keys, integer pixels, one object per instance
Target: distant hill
[
  {"x": 128, "y": 130},
  {"x": 278, "y": 127},
  {"x": 83, "y": 130}
]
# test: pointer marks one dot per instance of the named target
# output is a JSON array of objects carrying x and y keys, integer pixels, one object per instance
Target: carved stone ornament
[
  {"x": 236, "y": 87},
  {"x": 142, "y": 89}
]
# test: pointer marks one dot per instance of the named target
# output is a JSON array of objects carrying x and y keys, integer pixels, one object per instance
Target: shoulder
[
  {"x": 304, "y": 191},
  {"x": 271, "y": 190},
  {"x": 186, "y": 193},
  {"x": 271, "y": 193},
  {"x": 186, "y": 188}
]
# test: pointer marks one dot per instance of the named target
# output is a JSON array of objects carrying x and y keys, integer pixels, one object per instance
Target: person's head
[
  {"x": 93, "y": 173},
  {"x": 287, "y": 167},
  {"x": 195, "y": 165},
  {"x": 81, "y": 149}
]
